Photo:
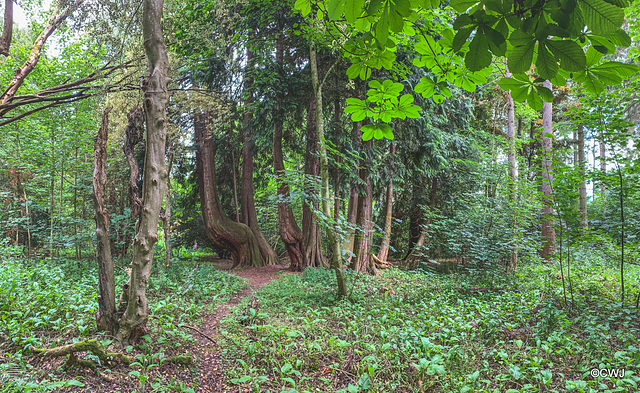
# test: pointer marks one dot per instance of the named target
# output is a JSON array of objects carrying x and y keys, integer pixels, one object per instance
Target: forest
[{"x": 319, "y": 196}]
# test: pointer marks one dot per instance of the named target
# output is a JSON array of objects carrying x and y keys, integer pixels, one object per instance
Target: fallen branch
[
  {"x": 96, "y": 349},
  {"x": 380, "y": 264}
]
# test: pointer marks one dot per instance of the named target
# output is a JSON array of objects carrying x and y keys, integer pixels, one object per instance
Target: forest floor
[
  {"x": 212, "y": 375},
  {"x": 469, "y": 329}
]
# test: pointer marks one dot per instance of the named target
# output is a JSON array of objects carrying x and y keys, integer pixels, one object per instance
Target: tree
[
  {"x": 548, "y": 230},
  {"x": 132, "y": 324}
]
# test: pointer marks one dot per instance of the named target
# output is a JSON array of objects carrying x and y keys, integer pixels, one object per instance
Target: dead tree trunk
[
  {"x": 388, "y": 211},
  {"x": 7, "y": 31},
  {"x": 133, "y": 135},
  {"x": 290, "y": 233},
  {"x": 234, "y": 237},
  {"x": 548, "y": 231},
  {"x": 106, "y": 314},
  {"x": 132, "y": 324},
  {"x": 311, "y": 233},
  {"x": 248, "y": 205}
]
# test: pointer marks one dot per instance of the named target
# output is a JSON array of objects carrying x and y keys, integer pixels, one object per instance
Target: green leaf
[
  {"x": 534, "y": 100},
  {"x": 478, "y": 56},
  {"x": 569, "y": 53},
  {"x": 545, "y": 93},
  {"x": 359, "y": 109},
  {"x": 382, "y": 27},
  {"x": 622, "y": 69},
  {"x": 406, "y": 108},
  {"x": 335, "y": 9},
  {"x": 600, "y": 16},
  {"x": 73, "y": 382},
  {"x": 546, "y": 62},
  {"x": 426, "y": 87},
  {"x": 592, "y": 84},
  {"x": 520, "y": 58},
  {"x": 463, "y": 5},
  {"x": 304, "y": 6},
  {"x": 510, "y": 83},
  {"x": 519, "y": 94},
  {"x": 353, "y": 9}
]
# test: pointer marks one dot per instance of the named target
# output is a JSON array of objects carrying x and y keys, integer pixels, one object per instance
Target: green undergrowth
[
  {"x": 45, "y": 304},
  {"x": 472, "y": 331}
]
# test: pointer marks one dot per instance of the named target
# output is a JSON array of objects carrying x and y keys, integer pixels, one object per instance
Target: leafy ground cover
[
  {"x": 473, "y": 331},
  {"x": 48, "y": 304}
]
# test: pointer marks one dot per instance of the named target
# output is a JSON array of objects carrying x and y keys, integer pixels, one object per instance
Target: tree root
[
  {"x": 96, "y": 349},
  {"x": 380, "y": 264}
]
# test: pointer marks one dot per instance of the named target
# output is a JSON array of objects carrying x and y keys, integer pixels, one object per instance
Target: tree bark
[
  {"x": 132, "y": 324},
  {"x": 414, "y": 253},
  {"x": 336, "y": 249},
  {"x": 290, "y": 233},
  {"x": 106, "y": 314},
  {"x": 311, "y": 233},
  {"x": 134, "y": 133},
  {"x": 582, "y": 188},
  {"x": 388, "y": 210},
  {"x": 603, "y": 164},
  {"x": 364, "y": 221},
  {"x": 513, "y": 172},
  {"x": 166, "y": 217},
  {"x": 234, "y": 237},
  {"x": 7, "y": 31},
  {"x": 548, "y": 231},
  {"x": 248, "y": 205},
  {"x": 22, "y": 72}
]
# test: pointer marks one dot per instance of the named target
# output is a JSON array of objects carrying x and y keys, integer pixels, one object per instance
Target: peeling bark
[
  {"x": 106, "y": 314},
  {"x": 364, "y": 221},
  {"x": 133, "y": 135},
  {"x": 513, "y": 171},
  {"x": 156, "y": 97},
  {"x": 234, "y": 237}
]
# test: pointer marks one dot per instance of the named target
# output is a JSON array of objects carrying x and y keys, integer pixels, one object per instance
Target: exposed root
[{"x": 380, "y": 264}]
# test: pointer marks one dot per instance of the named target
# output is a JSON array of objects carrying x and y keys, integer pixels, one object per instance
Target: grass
[
  {"x": 46, "y": 304},
  {"x": 483, "y": 331}
]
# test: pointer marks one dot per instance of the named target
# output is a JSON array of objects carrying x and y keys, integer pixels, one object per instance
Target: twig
[{"x": 190, "y": 327}]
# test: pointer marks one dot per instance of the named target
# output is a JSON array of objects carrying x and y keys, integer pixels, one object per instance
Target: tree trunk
[
  {"x": 362, "y": 261},
  {"x": 106, "y": 314},
  {"x": 388, "y": 210},
  {"x": 7, "y": 31},
  {"x": 133, "y": 135},
  {"x": 166, "y": 217},
  {"x": 336, "y": 249},
  {"x": 352, "y": 208},
  {"x": 548, "y": 231},
  {"x": 603, "y": 164},
  {"x": 582, "y": 188},
  {"x": 290, "y": 233},
  {"x": 513, "y": 173},
  {"x": 234, "y": 237},
  {"x": 248, "y": 205},
  {"x": 311, "y": 233},
  {"x": 412, "y": 258},
  {"x": 132, "y": 324}
]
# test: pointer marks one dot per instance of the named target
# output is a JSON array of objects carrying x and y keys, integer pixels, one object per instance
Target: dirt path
[{"x": 212, "y": 378}]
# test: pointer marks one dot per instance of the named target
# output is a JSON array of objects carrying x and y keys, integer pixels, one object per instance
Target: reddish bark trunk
[
  {"x": 7, "y": 31},
  {"x": 383, "y": 254},
  {"x": 248, "y": 205},
  {"x": 234, "y": 237},
  {"x": 362, "y": 242},
  {"x": 311, "y": 234}
]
